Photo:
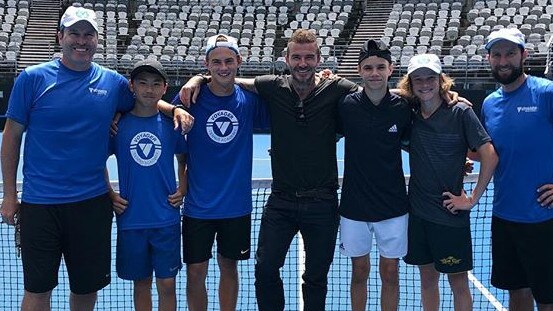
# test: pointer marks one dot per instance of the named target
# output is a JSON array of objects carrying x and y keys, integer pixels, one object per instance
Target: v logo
[
  {"x": 146, "y": 148},
  {"x": 223, "y": 126}
]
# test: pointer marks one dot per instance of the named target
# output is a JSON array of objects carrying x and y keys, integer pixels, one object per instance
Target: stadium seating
[
  {"x": 186, "y": 25},
  {"x": 13, "y": 21},
  {"x": 175, "y": 31}
]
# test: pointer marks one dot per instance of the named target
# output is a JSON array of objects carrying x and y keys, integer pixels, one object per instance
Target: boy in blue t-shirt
[
  {"x": 147, "y": 205},
  {"x": 218, "y": 203}
]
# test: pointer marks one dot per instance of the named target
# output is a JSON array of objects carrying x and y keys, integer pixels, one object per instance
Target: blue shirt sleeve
[
  {"x": 549, "y": 98},
  {"x": 21, "y": 99},
  {"x": 126, "y": 97},
  {"x": 176, "y": 100},
  {"x": 182, "y": 146}
]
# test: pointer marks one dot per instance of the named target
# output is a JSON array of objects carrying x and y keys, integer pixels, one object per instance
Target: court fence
[{"x": 118, "y": 295}]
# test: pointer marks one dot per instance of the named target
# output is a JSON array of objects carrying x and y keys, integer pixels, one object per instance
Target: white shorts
[{"x": 356, "y": 237}]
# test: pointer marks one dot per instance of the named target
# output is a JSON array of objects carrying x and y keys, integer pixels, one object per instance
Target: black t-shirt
[
  {"x": 374, "y": 182},
  {"x": 438, "y": 149},
  {"x": 303, "y": 133}
]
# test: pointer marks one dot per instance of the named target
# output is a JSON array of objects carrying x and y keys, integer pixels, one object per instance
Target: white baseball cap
[
  {"x": 510, "y": 34},
  {"x": 430, "y": 61},
  {"x": 75, "y": 14},
  {"x": 221, "y": 41}
]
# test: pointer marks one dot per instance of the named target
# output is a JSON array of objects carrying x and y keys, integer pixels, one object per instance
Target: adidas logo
[{"x": 393, "y": 129}]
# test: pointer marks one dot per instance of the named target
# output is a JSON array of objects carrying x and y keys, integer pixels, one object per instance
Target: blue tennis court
[{"x": 118, "y": 296}]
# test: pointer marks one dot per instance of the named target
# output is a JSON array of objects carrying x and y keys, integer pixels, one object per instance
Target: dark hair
[{"x": 375, "y": 48}]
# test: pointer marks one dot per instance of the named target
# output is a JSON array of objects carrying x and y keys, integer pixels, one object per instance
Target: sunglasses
[{"x": 300, "y": 113}]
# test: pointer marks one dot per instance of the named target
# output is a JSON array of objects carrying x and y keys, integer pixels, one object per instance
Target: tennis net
[{"x": 118, "y": 295}]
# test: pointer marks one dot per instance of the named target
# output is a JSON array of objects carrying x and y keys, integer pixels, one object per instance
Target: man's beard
[
  {"x": 307, "y": 80},
  {"x": 515, "y": 73}
]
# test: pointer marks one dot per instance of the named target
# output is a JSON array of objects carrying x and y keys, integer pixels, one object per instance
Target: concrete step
[
  {"x": 372, "y": 25},
  {"x": 40, "y": 38}
]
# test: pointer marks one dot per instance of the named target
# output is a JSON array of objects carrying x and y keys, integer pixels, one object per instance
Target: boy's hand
[
  {"x": 457, "y": 203},
  {"x": 114, "y": 128},
  {"x": 545, "y": 198},
  {"x": 453, "y": 98},
  {"x": 327, "y": 74},
  {"x": 189, "y": 92},
  {"x": 175, "y": 199},
  {"x": 119, "y": 204},
  {"x": 183, "y": 120}
]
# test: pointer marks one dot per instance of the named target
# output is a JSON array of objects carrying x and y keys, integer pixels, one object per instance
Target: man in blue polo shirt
[
  {"x": 65, "y": 107},
  {"x": 519, "y": 119}
]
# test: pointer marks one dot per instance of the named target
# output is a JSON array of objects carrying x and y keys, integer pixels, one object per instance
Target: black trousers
[{"x": 316, "y": 217}]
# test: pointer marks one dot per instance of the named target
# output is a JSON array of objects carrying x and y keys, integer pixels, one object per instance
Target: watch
[{"x": 177, "y": 107}]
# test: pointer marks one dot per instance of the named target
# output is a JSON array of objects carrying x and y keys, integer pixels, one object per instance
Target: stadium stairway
[
  {"x": 39, "y": 43},
  {"x": 371, "y": 26}
]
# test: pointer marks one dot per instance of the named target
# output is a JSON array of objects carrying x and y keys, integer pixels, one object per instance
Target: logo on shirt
[
  {"x": 393, "y": 129},
  {"x": 222, "y": 126},
  {"x": 145, "y": 148},
  {"x": 527, "y": 109},
  {"x": 98, "y": 92}
]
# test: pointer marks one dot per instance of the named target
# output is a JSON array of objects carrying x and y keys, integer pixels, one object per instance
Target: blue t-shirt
[
  {"x": 67, "y": 115},
  {"x": 220, "y": 147},
  {"x": 145, "y": 149},
  {"x": 520, "y": 124}
]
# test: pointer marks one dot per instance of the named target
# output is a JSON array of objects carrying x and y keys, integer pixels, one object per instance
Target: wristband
[{"x": 175, "y": 108}]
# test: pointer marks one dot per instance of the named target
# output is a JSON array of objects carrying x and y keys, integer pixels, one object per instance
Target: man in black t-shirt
[{"x": 304, "y": 198}]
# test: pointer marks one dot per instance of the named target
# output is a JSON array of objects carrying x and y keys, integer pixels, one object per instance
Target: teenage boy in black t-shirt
[{"x": 374, "y": 201}]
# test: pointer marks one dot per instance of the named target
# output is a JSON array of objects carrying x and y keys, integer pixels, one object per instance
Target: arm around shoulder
[{"x": 247, "y": 84}]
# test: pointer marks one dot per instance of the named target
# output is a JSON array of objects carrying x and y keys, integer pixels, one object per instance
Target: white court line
[
  {"x": 301, "y": 265},
  {"x": 491, "y": 298}
]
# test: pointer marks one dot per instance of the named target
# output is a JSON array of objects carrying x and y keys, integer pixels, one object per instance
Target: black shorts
[
  {"x": 80, "y": 231},
  {"x": 232, "y": 234},
  {"x": 449, "y": 248},
  {"x": 522, "y": 257}
]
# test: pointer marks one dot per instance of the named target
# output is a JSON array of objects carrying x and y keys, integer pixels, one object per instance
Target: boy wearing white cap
[
  {"x": 65, "y": 107},
  {"x": 218, "y": 204},
  {"x": 518, "y": 116},
  {"x": 439, "y": 221}
]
